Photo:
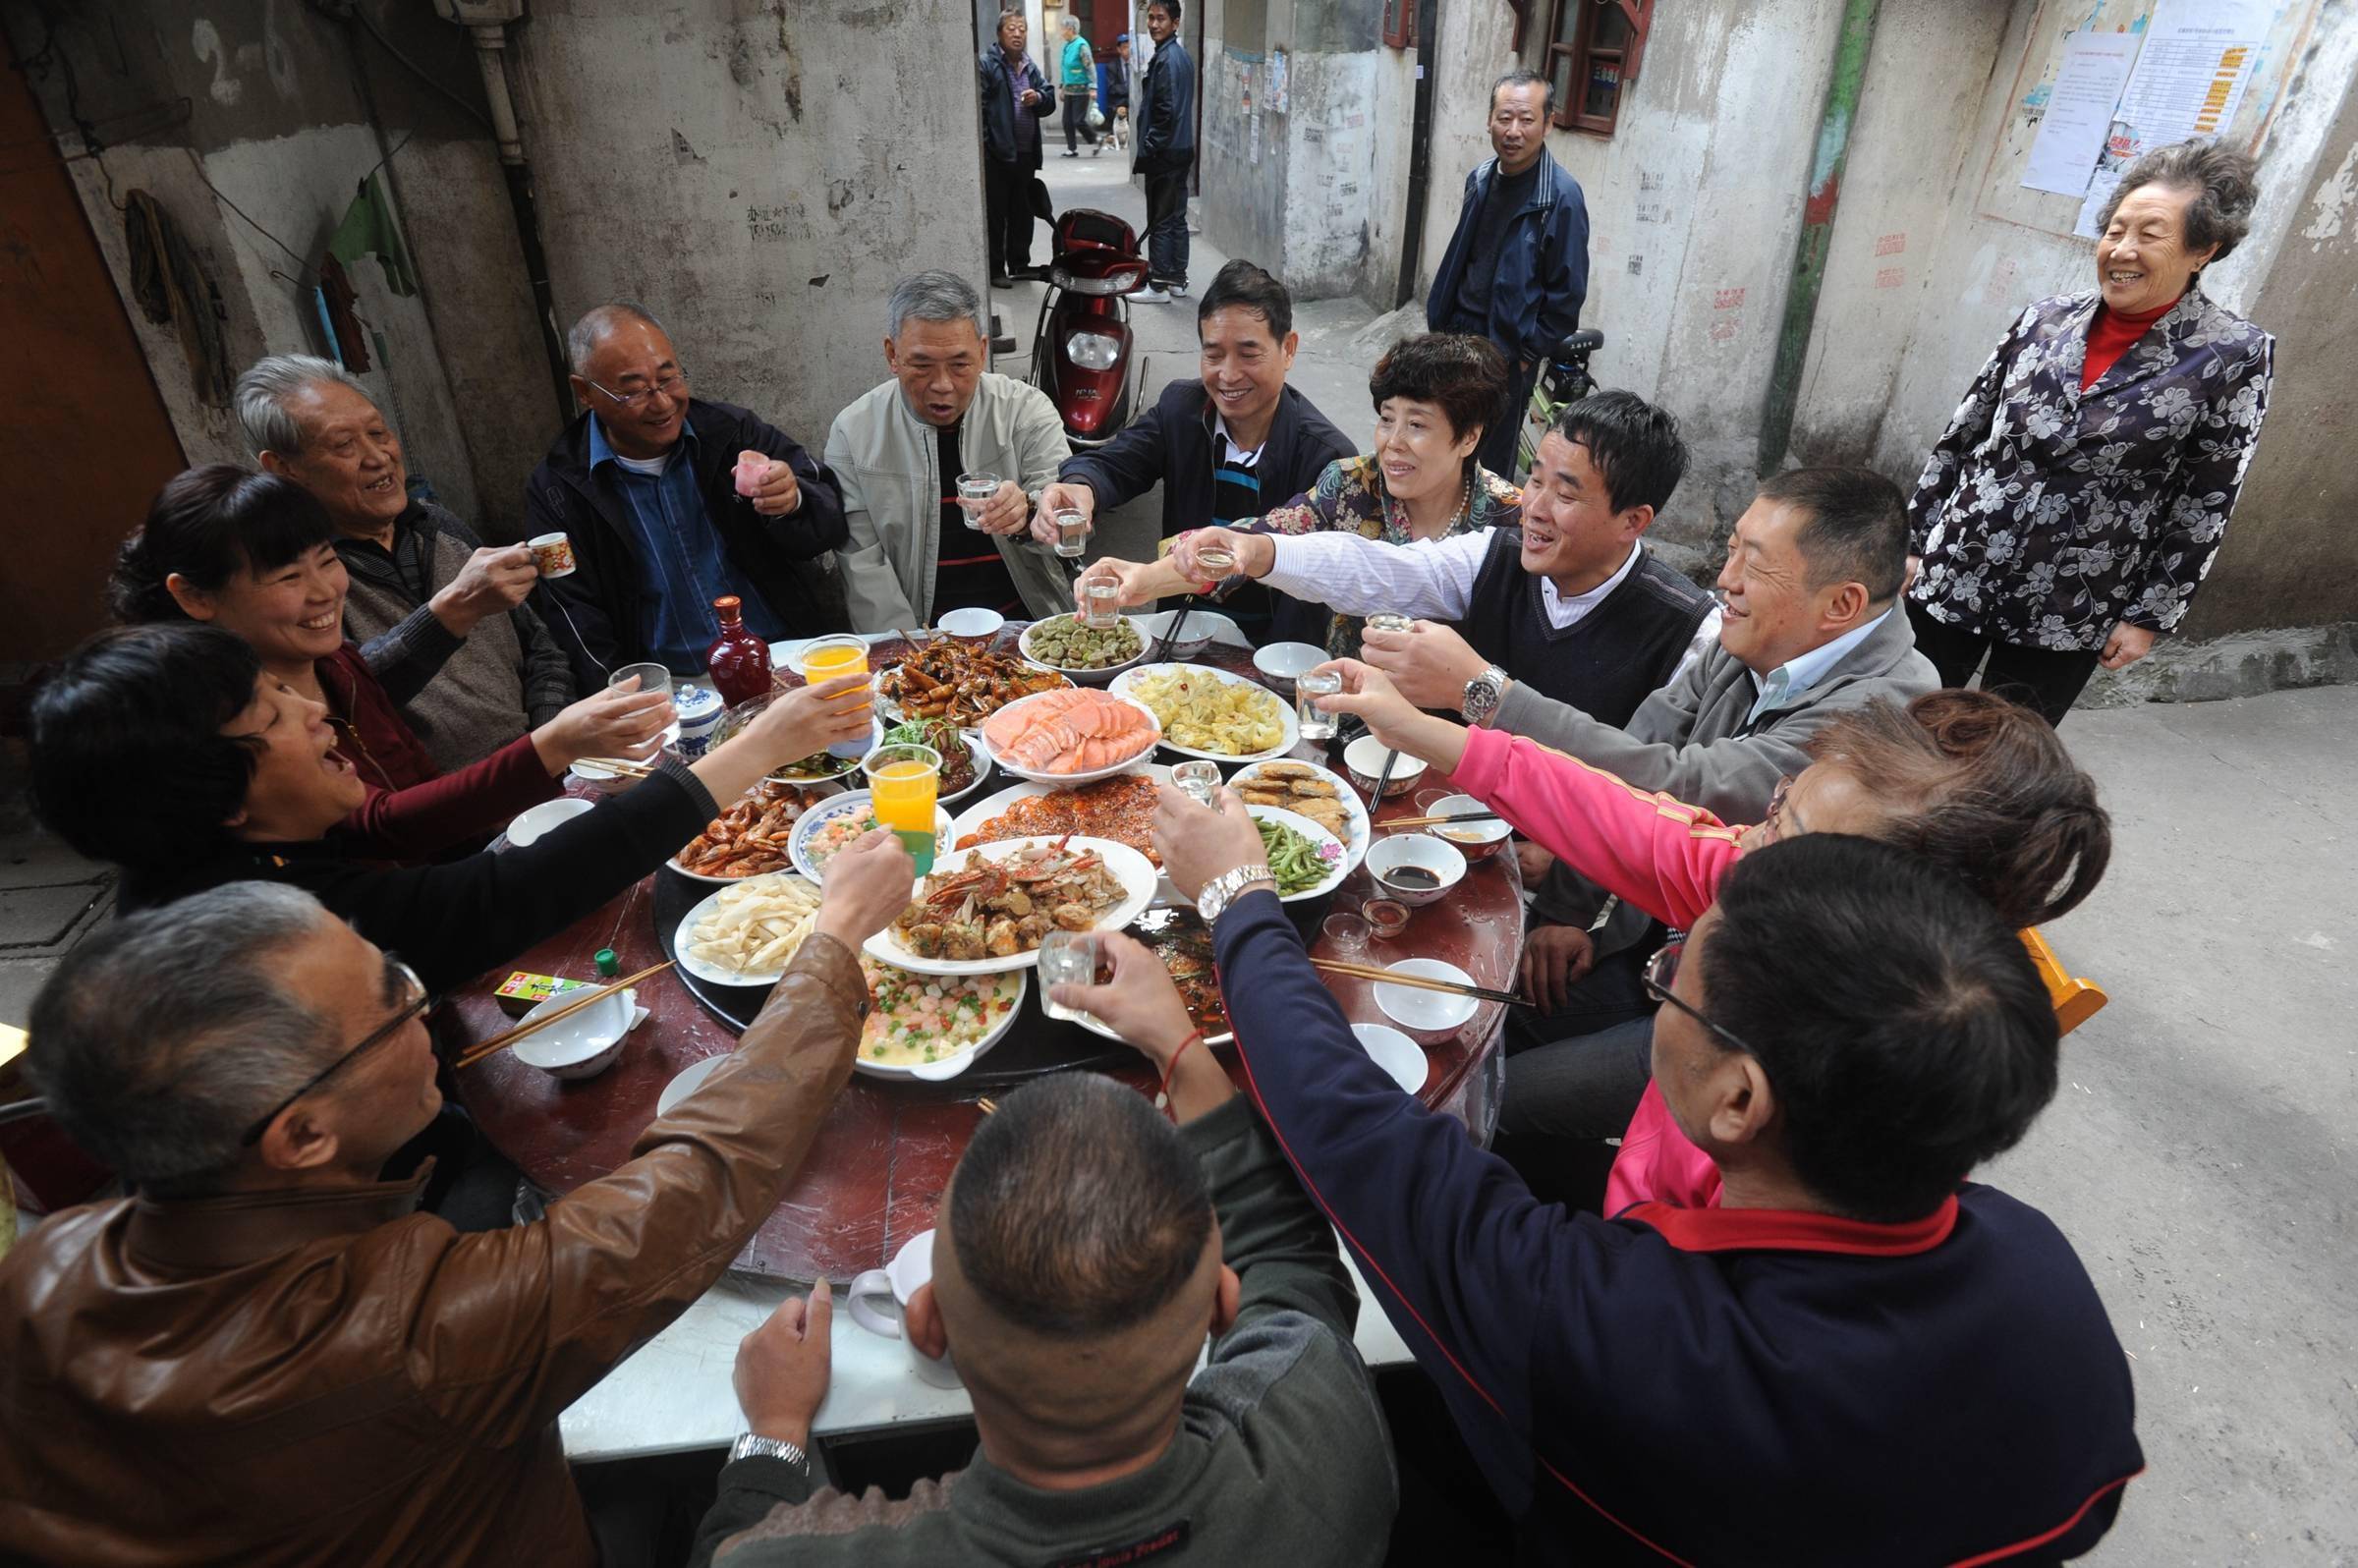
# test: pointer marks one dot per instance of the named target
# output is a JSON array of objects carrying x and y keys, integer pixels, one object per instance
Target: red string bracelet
[{"x": 1162, "y": 1096}]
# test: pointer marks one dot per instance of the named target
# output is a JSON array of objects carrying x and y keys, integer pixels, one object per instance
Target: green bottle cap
[{"x": 608, "y": 966}]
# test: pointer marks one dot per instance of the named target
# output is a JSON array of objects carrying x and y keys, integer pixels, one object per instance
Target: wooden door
[{"x": 84, "y": 441}]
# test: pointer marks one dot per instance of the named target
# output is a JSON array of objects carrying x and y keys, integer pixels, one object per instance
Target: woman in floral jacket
[{"x": 2080, "y": 493}]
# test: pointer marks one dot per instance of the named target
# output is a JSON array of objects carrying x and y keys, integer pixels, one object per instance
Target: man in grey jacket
[
  {"x": 899, "y": 451},
  {"x": 423, "y": 584},
  {"x": 1079, "y": 1264}
]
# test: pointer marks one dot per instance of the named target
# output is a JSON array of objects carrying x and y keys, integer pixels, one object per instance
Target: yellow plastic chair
[{"x": 2076, "y": 1000}]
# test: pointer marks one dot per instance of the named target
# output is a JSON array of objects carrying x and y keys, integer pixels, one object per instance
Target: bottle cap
[
  {"x": 608, "y": 966},
  {"x": 728, "y": 604}
]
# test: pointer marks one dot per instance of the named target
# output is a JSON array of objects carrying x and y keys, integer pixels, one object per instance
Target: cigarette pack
[{"x": 521, "y": 993}]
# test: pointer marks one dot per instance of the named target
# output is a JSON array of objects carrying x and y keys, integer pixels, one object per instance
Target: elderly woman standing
[{"x": 2079, "y": 495}]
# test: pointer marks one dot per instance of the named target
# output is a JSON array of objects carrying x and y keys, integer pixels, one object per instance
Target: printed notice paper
[{"x": 2079, "y": 110}]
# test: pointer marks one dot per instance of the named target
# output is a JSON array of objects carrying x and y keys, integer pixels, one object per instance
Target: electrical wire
[{"x": 361, "y": 15}]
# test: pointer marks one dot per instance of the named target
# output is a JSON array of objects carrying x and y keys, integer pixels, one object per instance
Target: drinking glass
[
  {"x": 1317, "y": 723},
  {"x": 651, "y": 677},
  {"x": 1217, "y": 561},
  {"x": 824, "y": 658},
  {"x": 903, "y": 784},
  {"x": 1427, "y": 800},
  {"x": 1072, "y": 532},
  {"x": 1347, "y": 931},
  {"x": 1100, "y": 604},
  {"x": 1386, "y": 621},
  {"x": 1200, "y": 779},
  {"x": 1066, "y": 958},
  {"x": 975, "y": 489}
]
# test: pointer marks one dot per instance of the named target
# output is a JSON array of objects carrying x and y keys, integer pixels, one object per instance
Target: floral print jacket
[
  {"x": 1350, "y": 494},
  {"x": 2046, "y": 517}
]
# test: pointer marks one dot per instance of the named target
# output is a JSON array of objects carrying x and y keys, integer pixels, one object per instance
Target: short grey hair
[
  {"x": 2224, "y": 183},
  {"x": 274, "y": 381},
  {"x": 1072, "y": 24},
  {"x": 934, "y": 297},
  {"x": 599, "y": 320},
  {"x": 162, "y": 1038}
]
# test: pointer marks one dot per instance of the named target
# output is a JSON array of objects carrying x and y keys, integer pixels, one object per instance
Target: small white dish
[
  {"x": 1476, "y": 841},
  {"x": 583, "y": 1045},
  {"x": 1387, "y": 856},
  {"x": 685, "y": 1082},
  {"x": 973, "y": 625},
  {"x": 1395, "y": 1054},
  {"x": 1203, "y": 628},
  {"x": 603, "y": 780},
  {"x": 531, "y": 824},
  {"x": 1362, "y": 759},
  {"x": 1434, "y": 1012},
  {"x": 1280, "y": 663}
]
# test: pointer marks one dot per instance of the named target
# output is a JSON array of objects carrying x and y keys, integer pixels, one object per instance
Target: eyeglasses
[
  {"x": 415, "y": 1000},
  {"x": 671, "y": 386},
  {"x": 1660, "y": 970}
]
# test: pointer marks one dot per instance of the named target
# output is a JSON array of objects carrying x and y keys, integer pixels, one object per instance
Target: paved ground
[{"x": 2199, "y": 1155}]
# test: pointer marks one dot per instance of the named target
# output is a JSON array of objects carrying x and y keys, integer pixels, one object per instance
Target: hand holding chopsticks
[
  {"x": 499, "y": 1043},
  {"x": 1417, "y": 983}
]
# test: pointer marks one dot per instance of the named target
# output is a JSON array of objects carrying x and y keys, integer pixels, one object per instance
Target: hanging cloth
[
  {"x": 172, "y": 289},
  {"x": 369, "y": 229}
]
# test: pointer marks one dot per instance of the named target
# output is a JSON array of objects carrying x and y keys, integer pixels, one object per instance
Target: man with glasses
[
  {"x": 1856, "y": 1356},
  {"x": 647, "y": 484},
  {"x": 267, "y": 1353}
]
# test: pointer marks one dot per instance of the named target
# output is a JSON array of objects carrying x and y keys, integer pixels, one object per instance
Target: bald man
[{"x": 646, "y": 483}]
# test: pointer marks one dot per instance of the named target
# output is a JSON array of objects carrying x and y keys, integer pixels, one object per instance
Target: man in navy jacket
[
  {"x": 1517, "y": 268},
  {"x": 1859, "y": 1357},
  {"x": 1228, "y": 446}
]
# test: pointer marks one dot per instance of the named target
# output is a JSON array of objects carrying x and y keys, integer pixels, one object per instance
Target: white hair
[
  {"x": 599, "y": 320},
  {"x": 934, "y": 297},
  {"x": 269, "y": 384}
]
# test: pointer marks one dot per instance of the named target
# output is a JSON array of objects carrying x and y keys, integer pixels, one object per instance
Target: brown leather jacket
[{"x": 331, "y": 1377}]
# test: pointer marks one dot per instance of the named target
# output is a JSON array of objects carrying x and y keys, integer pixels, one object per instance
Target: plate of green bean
[{"x": 1306, "y": 860}]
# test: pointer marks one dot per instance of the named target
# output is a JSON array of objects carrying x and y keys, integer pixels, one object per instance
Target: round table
[{"x": 885, "y": 1153}]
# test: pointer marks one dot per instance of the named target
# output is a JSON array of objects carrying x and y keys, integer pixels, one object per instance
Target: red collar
[{"x": 1785, "y": 1230}]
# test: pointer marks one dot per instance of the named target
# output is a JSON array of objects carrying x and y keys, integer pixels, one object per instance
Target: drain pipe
[
  {"x": 1808, "y": 277},
  {"x": 486, "y": 22},
  {"x": 1419, "y": 156}
]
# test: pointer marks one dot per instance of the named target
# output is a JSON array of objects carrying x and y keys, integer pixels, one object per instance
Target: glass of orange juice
[
  {"x": 823, "y": 660},
  {"x": 903, "y": 784}
]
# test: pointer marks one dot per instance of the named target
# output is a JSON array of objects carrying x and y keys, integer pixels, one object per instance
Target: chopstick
[
  {"x": 1170, "y": 634},
  {"x": 617, "y": 765},
  {"x": 1392, "y": 760},
  {"x": 499, "y": 1043},
  {"x": 987, "y": 1106},
  {"x": 1440, "y": 821},
  {"x": 1417, "y": 983}
]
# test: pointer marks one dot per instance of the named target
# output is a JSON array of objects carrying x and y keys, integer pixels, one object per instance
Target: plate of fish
[
  {"x": 753, "y": 837},
  {"x": 1182, "y": 941},
  {"x": 984, "y": 910},
  {"x": 1308, "y": 790},
  {"x": 1071, "y": 736}
]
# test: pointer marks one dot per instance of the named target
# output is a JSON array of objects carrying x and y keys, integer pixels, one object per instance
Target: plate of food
[
  {"x": 1071, "y": 736},
  {"x": 1071, "y": 647},
  {"x": 1209, "y": 713},
  {"x": 965, "y": 763},
  {"x": 836, "y": 823},
  {"x": 984, "y": 910},
  {"x": 754, "y": 837},
  {"x": 819, "y": 767},
  {"x": 1120, "y": 807},
  {"x": 932, "y": 1026},
  {"x": 746, "y": 934},
  {"x": 1308, "y": 790},
  {"x": 1307, "y": 861},
  {"x": 1180, "y": 938},
  {"x": 947, "y": 678}
]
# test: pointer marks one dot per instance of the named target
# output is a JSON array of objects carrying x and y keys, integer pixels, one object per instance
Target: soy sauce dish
[{"x": 1415, "y": 868}]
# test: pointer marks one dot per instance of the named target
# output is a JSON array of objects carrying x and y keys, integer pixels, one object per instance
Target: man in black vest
[{"x": 1571, "y": 604}]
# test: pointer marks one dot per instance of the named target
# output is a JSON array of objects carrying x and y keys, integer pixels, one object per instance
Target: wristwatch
[
  {"x": 749, "y": 1444},
  {"x": 1221, "y": 890},
  {"x": 1482, "y": 693}
]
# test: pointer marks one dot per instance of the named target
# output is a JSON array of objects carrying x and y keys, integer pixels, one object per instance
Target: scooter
[
  {"x": 1082, "y": 347},
  {"x": 1564, "y": 381}
]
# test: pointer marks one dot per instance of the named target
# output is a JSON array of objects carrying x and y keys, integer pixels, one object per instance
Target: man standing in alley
[
  {"x": 1080, "y": 74},
  {"x": 1164, "y": 134},
  {"x": 1517, "y": 268}
]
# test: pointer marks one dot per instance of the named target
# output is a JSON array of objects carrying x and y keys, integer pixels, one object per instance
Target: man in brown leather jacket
[{"x": 269, "y": 1356}]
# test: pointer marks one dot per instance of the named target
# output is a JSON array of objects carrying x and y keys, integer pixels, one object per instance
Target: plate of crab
[{"x": 984, "y": 910}]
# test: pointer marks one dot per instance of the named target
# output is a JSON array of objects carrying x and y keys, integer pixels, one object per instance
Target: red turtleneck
[{"x": 2110, "y": 336}]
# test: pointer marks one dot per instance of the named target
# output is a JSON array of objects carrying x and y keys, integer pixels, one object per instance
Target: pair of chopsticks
[
  {"x": 1392, "y": 760},
  {"x": 1440, "y": 821},
  {"x": 499, "y": 1043},
  {"x": 1170, "y": 636},
  {"x": 617, "y": 765},
  {"x": 1417, "y": 983}
]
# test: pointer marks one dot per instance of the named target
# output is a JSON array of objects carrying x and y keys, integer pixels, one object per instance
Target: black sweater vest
[{"x": 1607, "y": 662}]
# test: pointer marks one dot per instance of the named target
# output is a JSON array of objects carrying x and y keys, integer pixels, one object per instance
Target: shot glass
[
  {"x": 1427, "y": 800},
  {"x": 1100, "y": 604},
  {"x": 975, "y": 488},
  {"x": 1386, "y": 621},
  {"x": 1386, "y": 917},
  {"x": 1072, "y": 533},
  {"x": 1347, "y": 931},
  {"x": 651, "y": 677},
  {"x": 1217, "y": 561},
  {"x": 1317, "y": 723},
  {"x": 1200, "y": 779},
  {"x": 1066, "y": 958}
]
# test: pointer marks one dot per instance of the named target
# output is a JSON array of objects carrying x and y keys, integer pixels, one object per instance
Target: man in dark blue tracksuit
[
  {"x": 1163, "y": 137},
  {"x": 1517, "y": 268},
  {"x": 1857, "y": 1357}
]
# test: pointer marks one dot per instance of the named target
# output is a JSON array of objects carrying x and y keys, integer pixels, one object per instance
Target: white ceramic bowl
[
  {"x": 1362, "y": 759},
  {"x": 685, "y": 1082},
  {"x": 1201, "y": 627},
  {"x": 583, "y": 1045},
  {"x": 530, "y": 824},
  {"x": 1388, "y": 855},
  {"x": 1280, "y": 663},
  {"x": 1095, "y": 675},
  {"x": 973, "y": 625},
  {"x": 1395, "y": 1054},
  {"x": 1433, "y": 1012},
  {"x": 1476, "y": 841}
]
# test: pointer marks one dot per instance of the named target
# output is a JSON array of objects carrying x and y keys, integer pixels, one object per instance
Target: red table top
[{"x": 885, "y": 1153}]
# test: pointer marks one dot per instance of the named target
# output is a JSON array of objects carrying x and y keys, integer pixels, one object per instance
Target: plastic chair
[{"x": 2076, "y": 1000}]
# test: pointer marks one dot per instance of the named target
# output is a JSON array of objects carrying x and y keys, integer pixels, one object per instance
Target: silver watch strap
[{"x": 751, "y": 1444}]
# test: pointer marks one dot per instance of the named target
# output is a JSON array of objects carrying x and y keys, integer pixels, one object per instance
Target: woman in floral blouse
[
  {"x": 2080, "y": 493},
  {"x": 1434, "y": 394}
]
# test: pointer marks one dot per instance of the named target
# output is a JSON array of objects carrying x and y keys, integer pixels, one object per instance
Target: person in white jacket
[{"x": 899, "y": 451}]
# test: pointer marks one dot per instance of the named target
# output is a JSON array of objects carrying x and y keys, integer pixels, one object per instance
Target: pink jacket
[{"x": 1657, "y": 854}]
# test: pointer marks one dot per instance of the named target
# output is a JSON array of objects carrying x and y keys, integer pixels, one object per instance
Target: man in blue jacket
[
  {"x": 1165, "y": 135},
  {"x": 1225, "y": 447},
  {"x": 1858, "y": 1357},
  {"x": 1517, "y": 268}
]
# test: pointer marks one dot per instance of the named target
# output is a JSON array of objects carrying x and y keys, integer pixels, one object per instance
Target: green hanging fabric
[{"x": 369, "y": 229}]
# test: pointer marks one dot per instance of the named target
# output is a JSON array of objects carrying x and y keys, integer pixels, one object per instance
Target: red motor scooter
[{"x": 1082, "y": 347}]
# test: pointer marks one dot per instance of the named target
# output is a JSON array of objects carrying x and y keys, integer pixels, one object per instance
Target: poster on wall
[
  {"x": 2079, "y": 111},
  {"x": 2189, "y": 79},
  {"x": 1278, "y": 72}
]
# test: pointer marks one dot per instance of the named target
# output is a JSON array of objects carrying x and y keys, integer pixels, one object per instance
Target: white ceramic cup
[
  {"x": 552, "y": 553},
  {"x": 896, "y": 1282}
]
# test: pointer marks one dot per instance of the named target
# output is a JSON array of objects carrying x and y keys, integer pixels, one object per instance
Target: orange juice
[
  {"x": 904, "y": 783},
  {"x": 828, "y": 659}
]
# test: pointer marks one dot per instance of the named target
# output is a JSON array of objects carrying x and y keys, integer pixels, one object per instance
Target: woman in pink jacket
[{"x": 1963, "y": 778}]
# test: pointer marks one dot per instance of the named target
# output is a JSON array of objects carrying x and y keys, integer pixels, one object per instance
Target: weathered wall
[{"x": 758, "y": 173}]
